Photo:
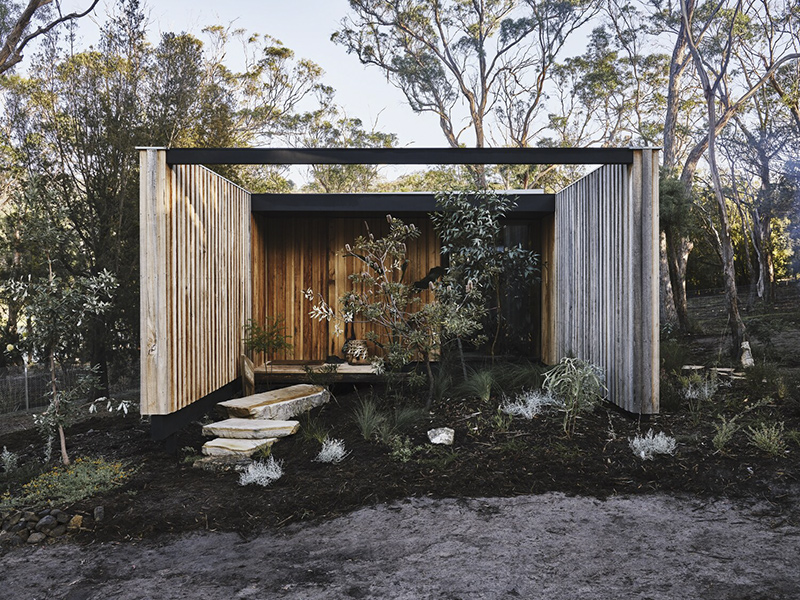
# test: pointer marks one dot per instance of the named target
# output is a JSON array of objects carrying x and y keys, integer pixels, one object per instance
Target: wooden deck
[{"x": 296, "y": 373}]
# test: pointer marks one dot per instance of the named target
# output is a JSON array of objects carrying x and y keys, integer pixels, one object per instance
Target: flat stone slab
[
  {"x": 282, "y": 404},
  {"x": 251, "y": 428},
  {"x": 244, "y": 448}
]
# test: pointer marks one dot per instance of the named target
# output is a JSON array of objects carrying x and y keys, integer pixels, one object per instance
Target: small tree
[
  {"x": 57, "y": 312},
  {"x": 480, "y": 265},
  {"x": 405, "y": 326}
]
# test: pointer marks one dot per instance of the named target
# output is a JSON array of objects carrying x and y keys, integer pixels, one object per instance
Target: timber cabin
[{"x": 213, "y": 256}]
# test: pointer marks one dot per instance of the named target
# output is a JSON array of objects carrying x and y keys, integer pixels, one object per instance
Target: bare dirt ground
[{"x": 546, "y": 546}]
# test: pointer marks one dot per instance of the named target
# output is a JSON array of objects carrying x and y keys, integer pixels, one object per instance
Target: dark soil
[{"x": 167, "y": 494}]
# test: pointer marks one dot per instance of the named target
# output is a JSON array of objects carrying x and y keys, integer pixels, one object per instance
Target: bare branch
[{"x": 11, "y": 51}]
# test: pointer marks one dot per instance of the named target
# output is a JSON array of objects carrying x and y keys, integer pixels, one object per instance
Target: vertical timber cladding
[
  {"x": 195, "y": 273},
  {"x": 294, "y": 253},
  {"x": 606, "y": 257}
]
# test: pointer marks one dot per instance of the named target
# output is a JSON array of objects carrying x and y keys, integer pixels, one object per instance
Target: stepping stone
[
  {"x": 282, "y": 404},
  {"x": 251, "y": 428},
  {"x": 243, "y": 448}
]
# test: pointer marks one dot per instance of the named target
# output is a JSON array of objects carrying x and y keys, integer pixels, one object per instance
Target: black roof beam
[
  {"x": 399, "y": 203},
  {"x": 399, "y": 156}
]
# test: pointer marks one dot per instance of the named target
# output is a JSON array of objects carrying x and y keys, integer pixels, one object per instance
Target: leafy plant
[
  {"x": 398, "y": 421},
  {"x": 768, "y": 438},
  {"x": 402, "y": 449},
  {"x": 697, "y": 390},
  {"x": 333, "y": 451},
  {"x": 262, "y": 473},
  {"x": 647, "y": 446},
  {"x": 578, "y": 385}
]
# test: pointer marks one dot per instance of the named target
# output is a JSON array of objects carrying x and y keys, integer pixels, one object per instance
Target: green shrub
[
  {"x": 725, "y": 430},
  {"x": 768, "y": 438},
  {"x": 64, "y": 485},
  {"x": 578, "y": 385}
]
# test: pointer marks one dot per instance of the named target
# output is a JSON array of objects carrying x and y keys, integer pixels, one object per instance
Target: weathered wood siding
[
  {"x": 292, "y": 254},
  {"x": 606, "y": 277},
  {"x": 195, "y": 273}
]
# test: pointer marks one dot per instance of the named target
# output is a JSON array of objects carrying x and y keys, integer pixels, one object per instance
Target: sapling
[{"x": 57, "y": 311}]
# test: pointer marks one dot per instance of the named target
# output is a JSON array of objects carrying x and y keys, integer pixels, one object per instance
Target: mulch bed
[{"x": 167, "y": 494}]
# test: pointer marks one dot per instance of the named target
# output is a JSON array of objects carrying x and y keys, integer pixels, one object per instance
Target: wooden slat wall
[
  {"x": 195, "y": 270},
  {"x": 292, "y": 254},
  {"x": 606, "y": 276}
]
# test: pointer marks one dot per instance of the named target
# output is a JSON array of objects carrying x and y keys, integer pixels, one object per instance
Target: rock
[
  {"x": 99, "y": 514},
  {"x": 281, "y": 404},
  {"x": 222, "y": 463},
  {"x": 442, "y": 435},
  {"x": 43, "y": 513},
  {"x": 251, "y": 428},
  {"x": 23, "y": 535},
  {"x": 747, "y": 356},
  {"x": 55, "y": 512},
  {"x": 30, "y": 517},
  {"x": 236, "y": 447},
  {"x": 18, "y": 527},
  {"x": 58, "y": 531},
  {"x": 75, "y": 523},
  {"x": 46, "y": 523},
  {"x": 12, "y": 520},
  {"x": 6, "y": 537},
  {"x": 62, "y": 518},
  {"x": 36, "y": 538}
]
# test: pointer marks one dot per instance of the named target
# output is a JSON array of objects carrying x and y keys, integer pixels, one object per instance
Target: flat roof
[
  {"x": 343, "y": 205},
  {"x": 399, "y": 156}
]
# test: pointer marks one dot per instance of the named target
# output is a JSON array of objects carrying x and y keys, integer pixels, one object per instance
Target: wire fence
[{"x": 28, "y": 388}]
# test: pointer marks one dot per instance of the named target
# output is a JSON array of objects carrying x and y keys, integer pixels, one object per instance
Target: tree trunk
[
  {"x": 667, "y": 312},
  {"x": 57, "y": 407},
  {"x": 678, "y": 250}
]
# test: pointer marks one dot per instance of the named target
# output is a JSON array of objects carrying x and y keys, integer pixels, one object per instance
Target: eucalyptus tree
[
  {"x": 493, "y": 57},
  {"x": 711, "y": 38}
]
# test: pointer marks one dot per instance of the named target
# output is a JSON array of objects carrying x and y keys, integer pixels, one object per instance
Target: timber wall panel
[
  {"x": 196, "y": 297},
  {"x": 606, "y": 278},
  {"x": 292, "y": 254}
]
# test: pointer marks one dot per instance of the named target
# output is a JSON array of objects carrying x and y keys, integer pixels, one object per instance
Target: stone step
[
  {"x": 282, "y": 404},
  {"x": 251, "y": 428},
  {"x": 243, "y": 448}
]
